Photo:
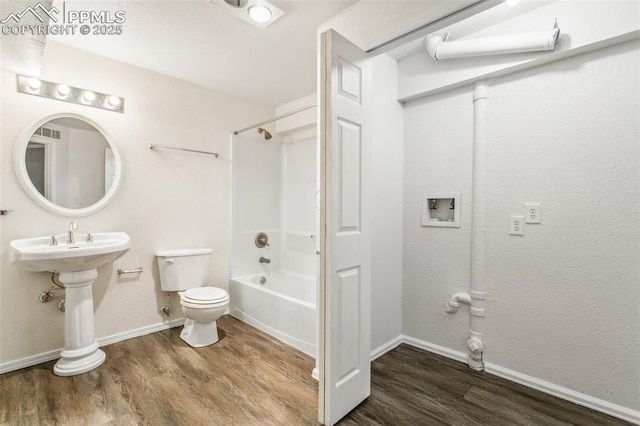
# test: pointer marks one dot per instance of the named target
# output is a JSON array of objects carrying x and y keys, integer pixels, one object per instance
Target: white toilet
[{"x": 186, "y": 271}]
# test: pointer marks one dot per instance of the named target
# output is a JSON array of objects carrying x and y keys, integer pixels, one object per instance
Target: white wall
[
  {"x": 168, "y": 199},
  {"x": 563, "y": 300},
  {"x": 386, "y": 204},
  {"x": 438, "y": 156}
]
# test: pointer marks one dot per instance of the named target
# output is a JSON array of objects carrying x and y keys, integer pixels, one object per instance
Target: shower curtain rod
[{"x": 276, "y": 118}]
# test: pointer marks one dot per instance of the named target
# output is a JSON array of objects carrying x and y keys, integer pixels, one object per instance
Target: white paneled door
[{"x": 345, "y": 333}]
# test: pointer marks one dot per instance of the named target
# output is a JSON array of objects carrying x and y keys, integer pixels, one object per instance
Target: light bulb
[
  {"x": 259, "y": 13},
  {"x": 63, "y": 90},
  {"x": 113, "y": 101},
  {"x": 34, "y": 83},
  {"x": 89, "y": 96}
]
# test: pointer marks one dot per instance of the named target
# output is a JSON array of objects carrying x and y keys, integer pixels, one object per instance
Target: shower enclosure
[{"x": 273, "y": 282}]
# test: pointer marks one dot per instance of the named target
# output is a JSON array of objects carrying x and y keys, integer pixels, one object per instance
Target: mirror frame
[{"x": 30, "y": 189}]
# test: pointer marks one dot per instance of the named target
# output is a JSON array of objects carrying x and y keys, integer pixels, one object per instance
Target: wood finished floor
[
  {"x": 413, "y": 387},
  {"x": 247, "y": 378},
  {"x": 250, "y": 378}
]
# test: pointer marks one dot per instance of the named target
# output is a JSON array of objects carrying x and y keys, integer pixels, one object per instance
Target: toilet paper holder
[{"x": 138, "y": 270}]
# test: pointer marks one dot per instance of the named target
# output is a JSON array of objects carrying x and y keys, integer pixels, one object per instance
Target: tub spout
[{"x": 265, "y": 260}]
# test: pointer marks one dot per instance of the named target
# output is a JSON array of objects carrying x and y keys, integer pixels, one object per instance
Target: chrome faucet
[
  {"x": 71, "y": 239},
  {"x": 265, "y": 260}
]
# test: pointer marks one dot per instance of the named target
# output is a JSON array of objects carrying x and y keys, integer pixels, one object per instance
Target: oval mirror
[{"x": 67, "y": 164}]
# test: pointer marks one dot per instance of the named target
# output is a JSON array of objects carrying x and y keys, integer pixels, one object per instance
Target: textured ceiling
[
  {"x": 22, "y": 54},
  {"x": 199, "y": 42}
]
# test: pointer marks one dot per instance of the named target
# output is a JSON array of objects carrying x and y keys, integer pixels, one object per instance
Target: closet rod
[
  {"x": 479, "y": 5},
  {"x": 153, "y": 145},
  {"x": 276, "y": 118}
]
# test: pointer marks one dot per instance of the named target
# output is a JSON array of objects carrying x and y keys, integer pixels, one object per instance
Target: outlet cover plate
[
  {"x": 516, "y": 225},
  {"x": 534, "y": 213}
]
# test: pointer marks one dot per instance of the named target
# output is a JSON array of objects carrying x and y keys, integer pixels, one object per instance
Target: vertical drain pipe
[{"x": 477, "y": 273}]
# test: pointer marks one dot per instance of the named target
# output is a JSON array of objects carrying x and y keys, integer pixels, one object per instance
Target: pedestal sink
[{"x": 77, "y": 265}]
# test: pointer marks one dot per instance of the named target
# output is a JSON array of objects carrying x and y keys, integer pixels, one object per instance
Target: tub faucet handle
[
  {"x": 265, "y": 260},
  {"x": 262, "y": 240}
]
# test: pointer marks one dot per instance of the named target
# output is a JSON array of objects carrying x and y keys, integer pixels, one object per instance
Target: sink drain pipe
[{"x": 475, "y": 298}]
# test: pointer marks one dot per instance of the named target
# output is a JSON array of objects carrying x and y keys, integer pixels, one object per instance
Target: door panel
[{"x": 345, "y": 241}]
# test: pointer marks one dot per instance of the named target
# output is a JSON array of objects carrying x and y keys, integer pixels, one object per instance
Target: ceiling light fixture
[
  {"x": 76, "y": 95},
  {"x": 257, "y": 12}
]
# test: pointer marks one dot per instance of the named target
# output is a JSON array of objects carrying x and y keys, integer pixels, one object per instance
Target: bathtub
[{"x": 284, "y": 306}]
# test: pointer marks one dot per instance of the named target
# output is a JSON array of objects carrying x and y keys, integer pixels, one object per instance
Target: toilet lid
[{"x": 205, "y": 294}]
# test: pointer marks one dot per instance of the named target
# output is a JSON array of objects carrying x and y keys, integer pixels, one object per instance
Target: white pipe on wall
[
  {"x": 439, "y": 48},
  {"x": 477, "y": 273},
  {"x": 455, "y": 300},
  {"x": 475, "y": 298}
]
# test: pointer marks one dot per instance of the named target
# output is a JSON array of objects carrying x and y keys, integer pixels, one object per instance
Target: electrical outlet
[
  {"x": 534, "y": 214},
  {"x": 516, "y": 226}
]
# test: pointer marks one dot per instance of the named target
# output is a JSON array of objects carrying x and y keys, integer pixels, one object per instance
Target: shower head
[{"x": 267, "y": 135}]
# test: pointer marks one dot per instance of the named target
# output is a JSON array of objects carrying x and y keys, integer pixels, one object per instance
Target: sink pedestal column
[{"x": 80, "y": 353}]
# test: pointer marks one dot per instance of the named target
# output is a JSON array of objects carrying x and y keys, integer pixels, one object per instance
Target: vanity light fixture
[
  {"x": 113, "y": 101},
  {"x": 257, "y": 12},
  {"x": 88, "y": 96},
  {"x": 63, "y": 92},
  {"x": 34, "y": 84}
]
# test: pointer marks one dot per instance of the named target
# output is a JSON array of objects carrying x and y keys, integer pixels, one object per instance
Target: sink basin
[{"x": 36, "y": 255}]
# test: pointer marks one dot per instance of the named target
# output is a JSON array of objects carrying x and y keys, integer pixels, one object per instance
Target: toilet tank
[{"x": 182, "y": 269}]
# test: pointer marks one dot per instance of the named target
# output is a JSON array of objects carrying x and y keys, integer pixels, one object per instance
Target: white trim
[
  {"x": 561, "y": 392},
  {"x": 301, "y": 345},
  {"x": 29, "y": 361},
  {"x": 386, "y": 347},
  {"x": 32, "y": 360},
  {"x": 588, "y": 401},
  {"x": 436, "y": 349}
]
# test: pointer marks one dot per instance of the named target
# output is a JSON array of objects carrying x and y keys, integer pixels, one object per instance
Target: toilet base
[{"x": 199, "y": 334}]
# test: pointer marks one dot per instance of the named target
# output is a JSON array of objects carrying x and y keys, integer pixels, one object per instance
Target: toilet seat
[{"x": 204, "y": 297}]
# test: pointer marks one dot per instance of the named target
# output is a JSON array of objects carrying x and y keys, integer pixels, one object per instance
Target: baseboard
[
  {"x": 386, "y": 347},
  {"x": 32, "y": 360},
  {"x": 436, "y": 349},
  {"x": 570, "y": 395},
  {"x": 29, "y": 361},
  {"x": 588, "y": 401}
]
